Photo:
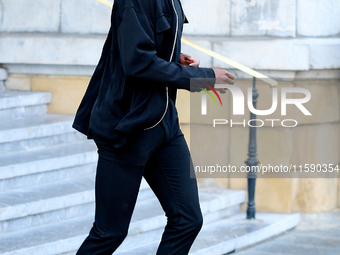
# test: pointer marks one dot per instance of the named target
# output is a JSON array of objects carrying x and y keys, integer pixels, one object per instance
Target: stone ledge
[
  {"x": 281, "y": 54},
  {"x": 328, "y": 74},
  {"x": 72, "y": 70},
  {"x": 3, "y": 77},
  {"x": 2, "y": 86},
  {"x": 53, "y": 49},
  {"x": 3, "y": 74},
  {"x": 205, "y": 61},
  {"x": 278, "y": 54}
]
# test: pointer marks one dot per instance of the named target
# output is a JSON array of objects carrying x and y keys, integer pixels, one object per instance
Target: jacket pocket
[
  {"x": 163, "y": 35},
  {"x": 163, "y": 23}
]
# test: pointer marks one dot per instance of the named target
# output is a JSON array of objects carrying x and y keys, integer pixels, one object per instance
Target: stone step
[
  {"x": 23, "y": 111},
  {"x": 151, "y": 229},
  {"x": 17, "y": 104},
  {"x": 146, "y": 226},
  {"x": 48, "y": 159},
  {"x": 43, "y": 204},
  {"x": 46, "y": 177},
  {"x": 229, "y": 234},
  {"x": 48, "y": 197},
  {"x": 10, "y": 99},
  {"x": 38, "y": 132},
  {"x": 40, "y": 142},
  {"x": 215, "y": 205}
]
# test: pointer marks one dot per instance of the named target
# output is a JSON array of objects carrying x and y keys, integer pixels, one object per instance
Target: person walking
[{"x": 129, "y": 111}]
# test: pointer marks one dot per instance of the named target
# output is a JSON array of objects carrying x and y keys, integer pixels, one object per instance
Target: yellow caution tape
[
  {"x": 243, "y": 68},
  {"x": 106, "y": 2}
]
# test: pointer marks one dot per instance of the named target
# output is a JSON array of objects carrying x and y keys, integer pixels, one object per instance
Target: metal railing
[{"x": 252, "y": 160}]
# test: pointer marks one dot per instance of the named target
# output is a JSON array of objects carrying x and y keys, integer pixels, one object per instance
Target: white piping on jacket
[{"x": 172, "y": 54}]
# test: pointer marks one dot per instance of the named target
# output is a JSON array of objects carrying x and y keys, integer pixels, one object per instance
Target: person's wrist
[{"x": 209, "y": 76}]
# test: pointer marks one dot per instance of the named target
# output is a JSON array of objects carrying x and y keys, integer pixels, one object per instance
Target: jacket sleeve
[{"x": 136, "y": 42}]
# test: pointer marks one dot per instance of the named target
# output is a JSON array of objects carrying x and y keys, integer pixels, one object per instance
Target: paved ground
[
  {"x": 315, "y": 235},
  {"x": 299, "y": 242}
]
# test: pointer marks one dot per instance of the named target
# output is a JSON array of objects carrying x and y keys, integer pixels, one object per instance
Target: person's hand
[
  {"x": 223, "y": 77},
  {"x": 187, "y": 60}
]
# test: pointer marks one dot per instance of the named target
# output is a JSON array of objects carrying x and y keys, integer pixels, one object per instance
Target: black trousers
[{"x": 162, "y": 156}]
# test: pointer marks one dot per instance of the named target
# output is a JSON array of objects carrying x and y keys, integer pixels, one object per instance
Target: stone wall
[
  {"x": 271, "y": 35},
  {"x": 314, "y": 141},
  {"x": 54, "y": 45}
]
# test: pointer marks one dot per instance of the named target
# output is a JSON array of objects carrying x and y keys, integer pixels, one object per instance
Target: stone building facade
[{"x": 54, "y": 46}]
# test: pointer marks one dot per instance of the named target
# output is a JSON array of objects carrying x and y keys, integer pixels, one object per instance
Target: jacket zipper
[{"x": 171, "y": 57}]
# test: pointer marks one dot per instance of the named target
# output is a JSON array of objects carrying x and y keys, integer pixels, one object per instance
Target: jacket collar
[{"x": 180, "y": 4}]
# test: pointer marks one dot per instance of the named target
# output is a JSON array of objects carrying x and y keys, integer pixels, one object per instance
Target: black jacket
[{"x": 138, "y": 71}]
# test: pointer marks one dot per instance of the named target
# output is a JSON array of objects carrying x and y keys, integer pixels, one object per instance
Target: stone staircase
[{"x": 47, "y": 173}]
